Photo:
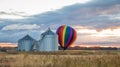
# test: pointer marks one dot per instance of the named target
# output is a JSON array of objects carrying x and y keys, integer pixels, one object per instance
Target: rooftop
[
  {"x": 48, "y": 32},
  {"x": 27, "y": 37}
]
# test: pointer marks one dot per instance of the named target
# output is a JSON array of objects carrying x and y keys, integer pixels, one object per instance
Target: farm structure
[{"x": 48, "y": 42}]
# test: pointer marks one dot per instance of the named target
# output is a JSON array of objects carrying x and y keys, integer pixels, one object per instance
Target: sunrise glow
[
  {"x": 107, "y": 32},
  {"x": 8, "y": 45}
]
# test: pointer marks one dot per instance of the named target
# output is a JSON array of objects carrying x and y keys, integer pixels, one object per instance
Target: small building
[
  {"x": 26, "y": 43},
  {"x": 48, "y": 41}
]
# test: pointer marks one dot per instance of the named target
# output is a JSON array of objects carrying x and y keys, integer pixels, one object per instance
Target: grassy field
[{"x": 81, "y": 58}]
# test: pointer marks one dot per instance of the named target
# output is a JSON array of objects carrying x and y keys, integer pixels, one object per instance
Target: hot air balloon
[{"x": 66, "y": 36}]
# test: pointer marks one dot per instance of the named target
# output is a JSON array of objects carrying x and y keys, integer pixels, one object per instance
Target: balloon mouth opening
[{"x": 64, "y": 48}]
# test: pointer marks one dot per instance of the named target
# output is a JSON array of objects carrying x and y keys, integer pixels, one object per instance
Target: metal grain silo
[
  {"x": 26, "y": 43},
  {"x": 48, "y": 41}
]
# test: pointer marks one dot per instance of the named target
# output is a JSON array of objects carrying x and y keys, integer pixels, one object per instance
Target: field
[{"x": 81, "y": 58}]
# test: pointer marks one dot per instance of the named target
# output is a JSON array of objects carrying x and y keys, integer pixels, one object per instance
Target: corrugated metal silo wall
[
  {"x": 49, "y": 43},
  {"x": 25, "y": 45}
]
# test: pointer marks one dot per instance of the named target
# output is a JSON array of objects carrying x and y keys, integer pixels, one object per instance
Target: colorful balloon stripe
[
  {"x": 63, "y": 39},
  {"x": 66, "y": 36}
]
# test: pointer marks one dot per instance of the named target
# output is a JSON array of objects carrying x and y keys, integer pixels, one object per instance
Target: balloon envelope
[{"x": 66, "y": 36}]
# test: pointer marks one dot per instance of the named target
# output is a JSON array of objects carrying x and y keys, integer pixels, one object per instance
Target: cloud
[
  {"x": 21, "y": 27},
  {"x": 15, "y": 35},
  {"x": 88, "y": 15},
  {"x": 1, "y": 21},
  {"x": 36, "y": 6},
  {"x": 12, "y": 15},
  {"x": 88, "y": 19},
  {"x": 104, "y": 3},
  {"x": 10, "y": 12},
  {"x": 97, "y": 14}
]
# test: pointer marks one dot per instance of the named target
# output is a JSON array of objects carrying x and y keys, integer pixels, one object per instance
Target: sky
[{"x": 97, "y": 22}]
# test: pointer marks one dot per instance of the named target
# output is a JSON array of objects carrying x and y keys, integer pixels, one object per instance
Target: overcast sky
[{"x": 97, "y": 22}]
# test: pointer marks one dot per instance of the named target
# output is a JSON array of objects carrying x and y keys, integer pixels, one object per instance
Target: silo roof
[
  {"x": 48, "y": 32},
  {"x": 27, "y": 37}
]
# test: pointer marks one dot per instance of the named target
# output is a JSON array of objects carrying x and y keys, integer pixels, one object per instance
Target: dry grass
[{"x": 61, "y": 59}]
